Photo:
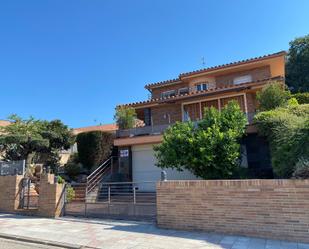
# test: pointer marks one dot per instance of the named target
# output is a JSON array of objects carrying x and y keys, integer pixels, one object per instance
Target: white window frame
[
  {"x": 242, "y": 79},
  {"x": 167, "y": 94}
]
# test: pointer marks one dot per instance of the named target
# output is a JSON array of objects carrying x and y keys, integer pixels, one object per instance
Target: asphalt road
[{"x": 11, "y": 244}]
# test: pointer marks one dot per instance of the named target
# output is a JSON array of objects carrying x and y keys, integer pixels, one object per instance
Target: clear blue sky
[{"x": 77, "y": 59}]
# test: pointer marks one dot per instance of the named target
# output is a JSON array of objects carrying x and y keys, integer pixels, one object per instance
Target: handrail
[
  {"x": 95, "y": 176},
  {"x": 98, "y": 168}
]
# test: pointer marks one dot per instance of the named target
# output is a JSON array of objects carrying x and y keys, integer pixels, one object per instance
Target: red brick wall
[
  {"x": 277, "y": 209},
  {"x": 173, "y": 110},
  {"x": 156, "y": 92}
]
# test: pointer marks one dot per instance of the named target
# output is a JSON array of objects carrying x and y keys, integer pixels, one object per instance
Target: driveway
[{"x": 113, "y": 234}]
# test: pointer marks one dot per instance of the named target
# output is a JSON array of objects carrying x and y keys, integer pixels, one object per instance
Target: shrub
[
  {"x": 93, "y": 148},
  {"x": 60, "y": 180},
  {"x": 302, "y": 169},
  {"x": 210, "y": 149},
  {"x": 125, "y": 117},
  {"x": 302, "y": 98},
  {"x": 73, "y": 169},
  {"x": 287, "y": 130},
  {"x": 272, "y": 96},
  {"x": 70, "y": 194}
]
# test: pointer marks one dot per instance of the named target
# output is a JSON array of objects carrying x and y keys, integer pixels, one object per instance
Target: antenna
[{"x": 203, "y": 61}]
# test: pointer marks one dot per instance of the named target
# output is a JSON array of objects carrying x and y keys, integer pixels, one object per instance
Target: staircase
[{"x": 118, "y": 192}]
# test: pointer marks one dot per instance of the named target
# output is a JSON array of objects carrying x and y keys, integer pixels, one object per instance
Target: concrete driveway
[{"x": 113, "y": 234}]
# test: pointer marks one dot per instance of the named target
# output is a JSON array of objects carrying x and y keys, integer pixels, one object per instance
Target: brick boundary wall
[
  {"x": 51, "y": 197},
  {"x": 276, "y": 209},
  {"x": 9, "y": 192}
]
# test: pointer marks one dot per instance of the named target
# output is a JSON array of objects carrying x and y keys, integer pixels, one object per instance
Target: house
[{"x": 184, "y": 98}]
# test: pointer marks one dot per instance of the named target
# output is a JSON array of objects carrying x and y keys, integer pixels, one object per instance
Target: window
[
  {"x": 168, "y": 94},
  {"x": 242, "y": 79},
  {"x": 183, "y": 90},
  {"x": 202, "y": 86}
]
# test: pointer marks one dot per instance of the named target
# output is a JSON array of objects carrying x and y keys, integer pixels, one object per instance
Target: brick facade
[
  {"x": 156, "y": 92},
  {"x": 165, "y": 113},
  {"x": 259, "y": 73},
  {"x": 277, "y": 209}
]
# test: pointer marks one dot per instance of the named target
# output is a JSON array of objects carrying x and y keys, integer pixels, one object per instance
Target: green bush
[
  {"x": 287, "y": 130},
  {"x": 211, "y": 149},
  {"x": 272, "y": 96},
  {"x": 60, "y": 180},
  {"x": 93, "y": 148},
  {"x": 73, "y": 169},
  {"x": 70, "y": 194},
  {"x": 125, "y": 117},
  {"x": 302, "y": 98}
]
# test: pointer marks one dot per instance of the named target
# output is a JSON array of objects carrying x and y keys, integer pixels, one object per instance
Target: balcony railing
[
  {"x": 141, "y": 131},
  {"x": 159, "y": 129}
]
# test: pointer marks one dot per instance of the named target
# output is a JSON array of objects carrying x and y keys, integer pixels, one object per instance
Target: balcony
[
  {"x": 142, "y": 131},
  {"x": 159, "y": 129}
]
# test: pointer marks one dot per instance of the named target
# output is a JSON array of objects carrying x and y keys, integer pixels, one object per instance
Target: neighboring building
[
  {"x": 106, "y": 128},
  {"x": 4, "y": 123},
  {"x": 184, "y": 98}
]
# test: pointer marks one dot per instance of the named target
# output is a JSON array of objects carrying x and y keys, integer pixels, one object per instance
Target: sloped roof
[
  {"x": 4, "y": 123},
  {"x": 209, "y": 69},
  {"x": 106, "y": 128}
]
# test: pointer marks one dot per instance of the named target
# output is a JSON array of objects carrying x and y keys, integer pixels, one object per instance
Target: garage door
[{"x": 144, "y": 168}]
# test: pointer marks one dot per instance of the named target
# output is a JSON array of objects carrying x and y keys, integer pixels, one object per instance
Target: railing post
[
  {"x": 28, "y": 199},
  {"x": 134, "y": 195},
  {"x": 109, "y": 194}
]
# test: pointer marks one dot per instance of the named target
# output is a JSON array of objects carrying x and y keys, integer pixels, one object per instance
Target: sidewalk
[{"x": 124, "y": 235}]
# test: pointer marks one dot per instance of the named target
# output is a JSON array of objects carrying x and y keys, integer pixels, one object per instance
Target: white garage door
[{"x": 144, "y": 168}]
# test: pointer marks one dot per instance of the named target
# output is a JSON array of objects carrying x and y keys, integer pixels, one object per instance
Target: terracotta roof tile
[
  {"x": 106, "y": 127},
  {"x": 204, "y": 70}
]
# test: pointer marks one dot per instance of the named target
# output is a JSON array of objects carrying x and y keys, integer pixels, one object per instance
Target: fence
[{"x": 132, "y": 200}]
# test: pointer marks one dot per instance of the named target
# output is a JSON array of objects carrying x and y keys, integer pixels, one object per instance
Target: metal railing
[
  {"x": 96, "y": 176},
  {"x": 146, "y": 130},
  {"x": 128, "y": 192}
]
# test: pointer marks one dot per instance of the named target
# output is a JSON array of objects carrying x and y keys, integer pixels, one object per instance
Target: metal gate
[
  {"x": 29, "y": 198},
  {"x": 120, "y": 200}
]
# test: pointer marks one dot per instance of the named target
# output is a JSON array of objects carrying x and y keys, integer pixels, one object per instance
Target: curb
[{"x": 43, "y": 242}]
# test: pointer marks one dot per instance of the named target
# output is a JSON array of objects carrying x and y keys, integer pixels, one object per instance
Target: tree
[
  {"x": 125, "y": 117},
  {"x": 93, "y": 148},
  {"x": 297, "y": 66},
  {"x": 209, "y": 149},
  {"x": 32, "y": 139},
  {"x": 273, "y": 95}
]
